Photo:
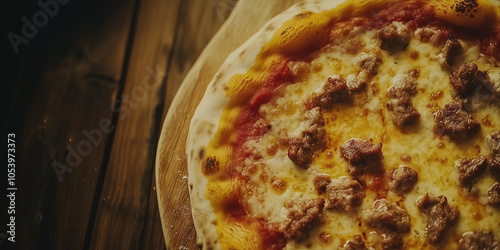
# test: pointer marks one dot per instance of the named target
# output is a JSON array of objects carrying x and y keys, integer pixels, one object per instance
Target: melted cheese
[
  {"x": 274, "y": 180},
  {"x": 433, "y": 157}
]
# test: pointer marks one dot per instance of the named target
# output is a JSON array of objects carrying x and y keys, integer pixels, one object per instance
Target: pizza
[{"x": 354, "y": 125}]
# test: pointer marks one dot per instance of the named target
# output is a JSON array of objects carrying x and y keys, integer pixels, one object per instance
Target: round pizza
[{"x": 363, "y": 124}]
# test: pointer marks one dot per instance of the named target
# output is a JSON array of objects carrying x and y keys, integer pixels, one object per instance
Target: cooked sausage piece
[
  {"x": 451, "y": 51},
  {"x": 440, "y": 216},
  {"x": 394, "y": 37},
  {"x": 403, "y": 179},
  {"x": 468, "y": 78},
  {"x": 303, "y": 215},
  {"x": 356, "y": 243},
  {"x": 388, "y": 216},
  {"x": 493, "y": 140},
  {"x": 478, "y": 240},
  {"x": 494, "y": 194},
  {"x": 495, "y": 168},
  {"x": 344, "y": 194},
  {"x": 400, "y": 105},
  {"x": 470, "y": 169},
  {"x": 321, "y": 181},
  {"x": 370, "y": 63},
  {"x": 302, "y": 149},
  {"x": 334, "y": 91},
  {"x": 362, "y": 156},
  {"x": 356, "y": 82},
  {"x": 453, "y": 120},
  {"x": 392, "y": 241},
  {"x": 390, "y": 221}
]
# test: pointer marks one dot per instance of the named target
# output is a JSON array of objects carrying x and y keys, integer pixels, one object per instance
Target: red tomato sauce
[
  {"x": 235, "y": 210},
  {"x": 271, "y": 237},
  {"x": 280, "y": 75}
]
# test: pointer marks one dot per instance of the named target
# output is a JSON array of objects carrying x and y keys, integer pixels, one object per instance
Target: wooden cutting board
[{"x": 246, "y": 18}]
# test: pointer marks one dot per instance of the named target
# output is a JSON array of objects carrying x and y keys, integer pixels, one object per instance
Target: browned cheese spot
[{"x": 210, "y": 166}]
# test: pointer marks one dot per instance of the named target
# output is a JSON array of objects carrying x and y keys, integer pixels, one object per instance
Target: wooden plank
[
  {"x": 68, "y": 79},
  {"x": 152, "y": 236},
  {"x": 127, "y": 202},
  {"x": 199, "y": 22},
  {"x": 171, "y": 167}
]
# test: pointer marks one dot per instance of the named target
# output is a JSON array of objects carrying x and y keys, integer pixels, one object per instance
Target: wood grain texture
[
  {"x": 64, "y": 84},
  {"x": 197, "y": 24},
  {"x": 127, "y": 194},
  {"x": 171, "y": 167},
  {"x": 67, "y": 81},
  {"x": 152, "y": 236}
]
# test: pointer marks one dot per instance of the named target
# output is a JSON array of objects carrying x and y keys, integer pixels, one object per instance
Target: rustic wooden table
[{"x": 85, "y": 88}]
